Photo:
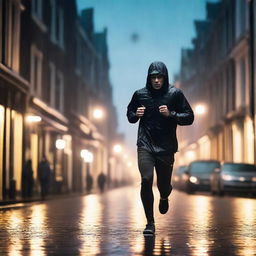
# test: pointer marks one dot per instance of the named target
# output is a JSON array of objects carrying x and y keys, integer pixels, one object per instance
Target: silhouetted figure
[
  {"x": 89, "y": 183},
  {"x": 101, "y": 181},
  {"x": 44, "y": 174},
  {"x": 27, "y": 179}
]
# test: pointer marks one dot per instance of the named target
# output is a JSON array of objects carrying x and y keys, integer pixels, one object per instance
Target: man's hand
[
  {"x": 164, "y": 110},
  {"x": 140, "y": 111}
]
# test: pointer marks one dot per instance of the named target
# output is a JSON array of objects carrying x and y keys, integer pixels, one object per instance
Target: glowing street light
[
  {"x": 33, "y": 119},
  {"x": 200, "y": 109},
  {"x": 190, "y": 155},
  {"x": 87, "y": 155},
  {"x": 60, "y": 144},
  {"x": 117, "y": 148},
  {"x": 98, "y": 113}
]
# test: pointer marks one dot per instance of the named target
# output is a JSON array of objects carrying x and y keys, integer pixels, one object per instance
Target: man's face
[{"x": 157, "y": 81}]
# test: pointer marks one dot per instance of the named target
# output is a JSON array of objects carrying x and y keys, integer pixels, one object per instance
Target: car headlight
[
  {"x": 242, "y": 178},
  {"x": 193, "y": 179},
  {"x": 254, "y": 179},
  {"x": 227, "y": 177}
]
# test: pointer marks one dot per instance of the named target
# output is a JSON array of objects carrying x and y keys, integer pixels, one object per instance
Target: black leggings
[{"x": 163, "y": 165}]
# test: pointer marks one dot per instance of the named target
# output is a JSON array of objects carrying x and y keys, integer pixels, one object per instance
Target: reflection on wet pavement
[
  {"x": 90, "y": 223},
  {"x": 112, "y": 224}
]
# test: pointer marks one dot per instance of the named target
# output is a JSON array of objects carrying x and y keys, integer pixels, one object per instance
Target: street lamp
[
  {"x": 86, "y": 155},
  {"x": 60, "y": 144},
  {"x": 190, "y": 155},
  {"x": 98, "y": 113},
  {"x": 117, "y": 148},
  {"x": 200, "y": 109}
]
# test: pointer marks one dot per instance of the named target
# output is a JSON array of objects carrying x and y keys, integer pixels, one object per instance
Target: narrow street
[{"x": 112, "y": 224}]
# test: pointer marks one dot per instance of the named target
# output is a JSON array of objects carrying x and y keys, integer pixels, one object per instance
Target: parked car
[
  {"x": 236, "y": 177},
  {"x": 199, "y": 173},
  {"x": 178, "y": 177}
]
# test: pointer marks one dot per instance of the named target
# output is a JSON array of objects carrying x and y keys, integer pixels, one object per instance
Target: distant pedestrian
[
  {"x": 89, "y": 182},
  {"x": 44, "y": 175},
  {"x": 101, "y": 181},
  {"x": 27, "y": 179},
  {"x": 160, "y": 107}
]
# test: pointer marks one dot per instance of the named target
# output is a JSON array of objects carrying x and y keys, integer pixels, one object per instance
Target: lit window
[{"x": 9, "y": 33}]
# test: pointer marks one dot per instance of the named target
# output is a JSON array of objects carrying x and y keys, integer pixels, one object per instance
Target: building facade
[
  {"x": 13, "y": 91},
  {"x": 215, "y": 74},
  {"x": 54, "y": 72}
]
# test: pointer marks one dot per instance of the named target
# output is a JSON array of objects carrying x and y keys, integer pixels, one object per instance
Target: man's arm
[
  {"x": 184, "y": 114},
  {"x": 132, "y": 109}
]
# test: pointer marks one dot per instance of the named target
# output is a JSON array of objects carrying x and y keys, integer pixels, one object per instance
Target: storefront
[{"x": 12, "y": 110}]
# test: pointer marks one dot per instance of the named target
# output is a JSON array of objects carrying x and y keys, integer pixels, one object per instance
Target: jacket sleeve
[
  {"x": 184, "y": 114},
  {"x": 131, "y": 109}
]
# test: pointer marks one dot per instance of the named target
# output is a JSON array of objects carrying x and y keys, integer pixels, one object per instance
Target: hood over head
[{"x": 155, "y": 68}]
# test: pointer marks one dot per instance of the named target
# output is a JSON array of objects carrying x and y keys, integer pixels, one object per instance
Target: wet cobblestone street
[{"x": 112, "y": 224}]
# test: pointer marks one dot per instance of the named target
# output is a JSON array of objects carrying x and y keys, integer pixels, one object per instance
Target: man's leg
[
  {"x": 146, "y": 167},
  {"x": 164, "y": 167}
]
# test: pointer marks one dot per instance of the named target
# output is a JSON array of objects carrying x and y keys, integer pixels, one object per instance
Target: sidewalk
[{"x": 21, "y": 202}]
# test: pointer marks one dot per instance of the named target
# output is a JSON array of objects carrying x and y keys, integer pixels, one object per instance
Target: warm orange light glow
[
  {"x": 118, "y": 148},
  {"x": 33, "y": 119},
  {"x": 60, "y": 144},
  {"x": 200, "y": 109},
  {"x": 98, "y": 113},
  {"x": 87, "y": 155}
]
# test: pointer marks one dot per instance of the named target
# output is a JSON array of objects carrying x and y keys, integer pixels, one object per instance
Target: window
[
  {"x": 57, "y": 88},
  {"x": 36, "y": 71},
  {"x": 37, "y": 9},
  {"x": 46, "y": 90},
  {"x": 240, "y": 18},
  {"x": 53, "y": 20},
  {"x": 60, "y": 27},
  {"x": 57, "y": 24},
  {"x": 240, "y": 82},
  {"x": 78, "y": 56},
  {"x": 52, "y": 78},
  {"x": 59, "y": 92},
  {"x": 37, "y": 13},
  {"x": 10, "y": 33}
]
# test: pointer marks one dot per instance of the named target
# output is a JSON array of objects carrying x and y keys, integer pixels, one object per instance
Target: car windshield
[
  {"x": 203, "y": 167},
  {"x": 181, "y": 169},
  {"x": 239, "y": 167}
]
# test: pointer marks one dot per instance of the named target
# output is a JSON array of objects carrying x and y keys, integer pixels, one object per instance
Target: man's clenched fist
[
  {"x": 140, "y": 111},
  {"x": 164, "y": 110}
]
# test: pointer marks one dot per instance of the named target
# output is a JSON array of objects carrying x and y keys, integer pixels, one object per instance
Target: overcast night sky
[{"x": 140, "y": 32}]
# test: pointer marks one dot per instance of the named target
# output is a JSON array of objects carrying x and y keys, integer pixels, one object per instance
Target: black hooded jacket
[{"x": 157, "y": 133}]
